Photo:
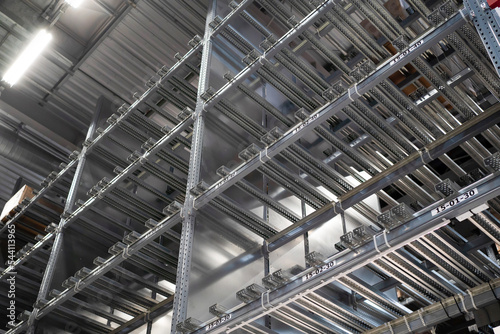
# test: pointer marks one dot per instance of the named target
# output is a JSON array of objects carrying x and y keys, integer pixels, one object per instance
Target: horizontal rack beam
[
  {"x": 347, "y": 261},
  {"x": 174, "y": 69},
  {"x": 144, "y": 240},
  {"x": 416, "y": 160},
  {"x": 325, "y": 112}
]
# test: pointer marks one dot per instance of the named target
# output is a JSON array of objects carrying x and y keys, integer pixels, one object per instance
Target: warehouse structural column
[
  {"x": 189, "y": 213},
  {"x": 68, "y": 207}
]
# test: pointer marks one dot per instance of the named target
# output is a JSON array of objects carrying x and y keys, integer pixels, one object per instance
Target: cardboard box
[{"x": 24, "y": 192}]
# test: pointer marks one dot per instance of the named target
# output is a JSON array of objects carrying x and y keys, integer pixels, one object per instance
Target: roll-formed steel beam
[
  {"x": 348, "y": 261},
  {"x": 329, "y": 109},
  {"x": 110, "y": 264}
]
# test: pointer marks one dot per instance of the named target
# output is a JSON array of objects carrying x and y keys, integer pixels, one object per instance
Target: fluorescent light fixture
[
  {"x": 74, "y": 3},
  {"x": 27, "y": 57}
]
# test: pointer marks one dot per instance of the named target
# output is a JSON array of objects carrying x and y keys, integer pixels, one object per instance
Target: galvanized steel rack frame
[{"x": 370, "y": 80}]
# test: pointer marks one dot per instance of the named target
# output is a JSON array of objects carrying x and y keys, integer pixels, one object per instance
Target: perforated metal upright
[
  {"x": 486, "y": 19},
  {"x": 188, "y": 224}
]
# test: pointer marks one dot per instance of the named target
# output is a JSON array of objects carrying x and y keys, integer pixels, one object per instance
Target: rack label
[
  {"x": 305, "y": 123},
  {"x": 225, "y": 179},
  {"x": 406, "y": 52},
  {"x": 318, "y": 270},
  {"x": 217, "y": 322},
  {"x": 451, "y": 203}
]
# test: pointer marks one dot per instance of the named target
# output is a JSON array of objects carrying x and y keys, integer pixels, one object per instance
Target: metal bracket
[
  {"x": 462, "y": 298},
  {"x": 265, "y": 247},
  {"x": 350, "y": 93},
  {"x": 125, "y": 253},
  {"x": 472, "y": 299},
  {"x": 341, "y": 210},
  {"x": 420, "y": 315},
  {"x": 203, "y": 108},
  {"x": 100, "y": 194},
  {"x": 266, "y": 303},
  {"x": 390, "y": 327},
  {"x": 77, "y": 287},
  {"x": 407, "y": 324},
  {"x": 422, "y": 151},
  {"x": 263, "y": 154},
  {"x": 59, "y": 228},
  {"x": 385, "y": 240}
]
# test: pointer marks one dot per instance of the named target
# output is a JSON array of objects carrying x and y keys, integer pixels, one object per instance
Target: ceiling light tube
[
  {"x": 74, "y": 3},
  {"x": 27, "y": 57}
]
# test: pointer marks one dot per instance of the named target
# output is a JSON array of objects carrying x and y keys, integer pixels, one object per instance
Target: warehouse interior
[{"x": 251, "y": 166}]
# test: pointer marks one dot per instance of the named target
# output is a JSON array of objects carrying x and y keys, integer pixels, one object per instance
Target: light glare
[
  {"x": 27, "y": 57},
  {"x": 74, "y": 3}
]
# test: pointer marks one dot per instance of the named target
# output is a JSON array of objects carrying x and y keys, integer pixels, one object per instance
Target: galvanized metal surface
[{"x": 323, "y": 117}]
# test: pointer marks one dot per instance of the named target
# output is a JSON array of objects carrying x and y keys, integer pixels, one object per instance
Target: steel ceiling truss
[{"x": 389, "y": 107}]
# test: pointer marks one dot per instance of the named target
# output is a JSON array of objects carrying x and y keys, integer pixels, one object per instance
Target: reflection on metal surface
[{"x": 342, "y": 176}]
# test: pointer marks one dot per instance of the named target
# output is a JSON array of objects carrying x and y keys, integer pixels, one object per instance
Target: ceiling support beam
[{"x": 52, "y": 126}]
